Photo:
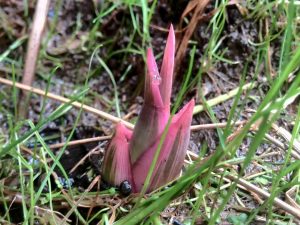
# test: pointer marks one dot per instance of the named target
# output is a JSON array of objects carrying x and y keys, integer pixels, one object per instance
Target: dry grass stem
[
  {"x": 81, "y": 161},
  {"x": 77, "y": 203},
  {"x": 286, "y": 135},
  {"x": 39, "y": 22},
  {"x": 80, "y": 142},
  {"x": 282, "y": 146},
  {"x": 214, "y": 125},
  {"x": 224, "y": 97},
  {"x": 38, "y": 25},
  {"x": 241, "y": 182},
  {"x": 66, "y": 100},
  {"x": 278, "y": 202},
  {"x": 100, "y": 113}
]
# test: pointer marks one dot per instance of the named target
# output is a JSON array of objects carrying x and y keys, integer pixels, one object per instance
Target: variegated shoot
[{"x": 129, "y": 155}]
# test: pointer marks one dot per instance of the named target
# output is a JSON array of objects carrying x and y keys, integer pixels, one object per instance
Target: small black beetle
[{"x": 125, "y": 188}]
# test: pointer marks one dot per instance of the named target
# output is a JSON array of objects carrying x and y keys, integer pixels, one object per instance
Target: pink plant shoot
[{"x": 129, "y": 155}]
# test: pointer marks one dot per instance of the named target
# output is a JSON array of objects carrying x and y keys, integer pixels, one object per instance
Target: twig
[
  {"x": 281, "y": 145},
  {"x": 81, "y": 141},
  {"x": 293, "y": 191},
  {"x": 66, "y": 100},
  {"x": 75, "y": 204},
  {"x": 97, "y": 112},
  {"x": 242, "y": 182},
  {"x": 287, "y": 136},
  {"x": 224, "y": 97},
  {"x": 81, "y": 161},
  {"x": 18, "y": 198},
  {"x": 214, "y": 125},
  {"x": 278, "y": 202},
  {"x": 39, "y": 22}
]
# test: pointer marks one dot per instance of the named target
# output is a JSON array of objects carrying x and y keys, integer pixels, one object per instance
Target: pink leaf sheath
[
  {"x": 116, "y": 166},
  {"x": 167, "y": 68},
  {"x": 153, "y": 116},
  {"x": 129, "y": 155},
  {"x": 172, "y": 154}
]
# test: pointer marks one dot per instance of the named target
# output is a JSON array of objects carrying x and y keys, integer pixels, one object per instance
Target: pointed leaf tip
[
  {"x": 167, "y": 68},
  {"x": 152, "y": 93},
  {"x": 116, "y": 165},
  {"x": 185, "y": 114}
]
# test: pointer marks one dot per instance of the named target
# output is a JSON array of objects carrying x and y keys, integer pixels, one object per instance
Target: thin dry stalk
[
  {"x": 39, "y": 22},
  {"x": 38, "y": 26},
  {"x": 80, "y": 142},
  {"x": 278, "y": 202},
  {"x": 222, "y": 98},
  {"x": 286, "y": 135},
  {"x": 241, "y": 182},
  {"x": 214, "y": 125},
  {"x": 282, "y": 146},
  {"x": 81, "y": 161},
  {"x": 291, "y": 195},
  {"x": 77, "y": 203},
  {"x": 66, "y": 100},
  {"x": 100, "y": 113}
]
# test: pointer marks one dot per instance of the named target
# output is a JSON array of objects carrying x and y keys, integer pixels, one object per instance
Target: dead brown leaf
[{"x": 198, "y": 11}]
